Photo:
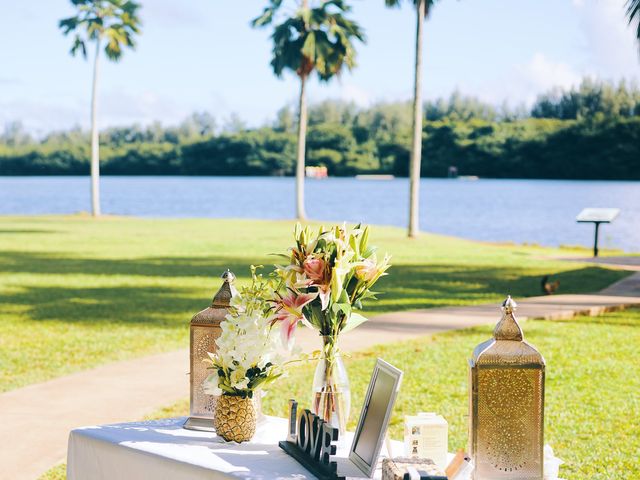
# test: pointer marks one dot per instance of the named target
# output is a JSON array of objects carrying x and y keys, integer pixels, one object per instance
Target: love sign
[{"x": 310, "y": 441}]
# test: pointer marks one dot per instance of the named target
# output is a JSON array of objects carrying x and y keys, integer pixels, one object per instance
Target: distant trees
[
  {"x": 592, "y": 100},
  {"x": 311, "y": 39},
  {"x": 112, "y": 23},
  {"x": 601, "y": 141},
  {"x": 15, "y": 134}
]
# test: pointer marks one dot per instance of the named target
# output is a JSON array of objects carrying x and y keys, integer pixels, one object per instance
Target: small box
[
  {"x": 398, "y": 469},
  {"x": 426, "y": 435}
]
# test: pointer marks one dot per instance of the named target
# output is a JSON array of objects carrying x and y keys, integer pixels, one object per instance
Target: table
[{"x": 162, "y": 449}]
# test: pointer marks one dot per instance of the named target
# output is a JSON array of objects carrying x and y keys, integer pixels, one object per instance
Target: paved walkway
[
  {"x": 623, "y": 262},
  {"x": 36, "y": 420}
]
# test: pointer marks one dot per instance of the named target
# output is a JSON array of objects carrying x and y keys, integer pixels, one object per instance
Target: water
[{"x": 521, "y": 211}]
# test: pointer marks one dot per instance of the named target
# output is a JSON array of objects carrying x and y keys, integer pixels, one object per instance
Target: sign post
[{"x": 597, "y": 216}]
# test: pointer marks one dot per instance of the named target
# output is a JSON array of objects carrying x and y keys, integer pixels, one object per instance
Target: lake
[{"x": 521, "y": 211}]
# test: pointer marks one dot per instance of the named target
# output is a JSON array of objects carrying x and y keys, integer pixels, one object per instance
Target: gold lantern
[
  {"x": 205, "y": 329},
  {"x": 507, "y": 404}
]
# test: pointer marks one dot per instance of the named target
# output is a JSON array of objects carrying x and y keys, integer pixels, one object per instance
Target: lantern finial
[
  {"x": 228, "y": 276},
  {"x": 509, "y": 305},
  {"x": 223, "y": 297},
  {"x": 508, "y": 328}
]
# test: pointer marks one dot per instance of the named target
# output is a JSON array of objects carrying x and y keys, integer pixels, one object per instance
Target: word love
[{"x": 310, "y": 440}]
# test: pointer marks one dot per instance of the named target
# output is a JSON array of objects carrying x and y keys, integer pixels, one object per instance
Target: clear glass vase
[{"x": 331, "y": 392}]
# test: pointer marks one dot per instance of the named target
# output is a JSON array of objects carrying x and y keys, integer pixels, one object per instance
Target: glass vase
[{"x": 331, "y": 392}]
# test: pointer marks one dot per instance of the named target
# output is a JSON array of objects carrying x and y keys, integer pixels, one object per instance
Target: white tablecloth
[{"x": 162, "y": 449}]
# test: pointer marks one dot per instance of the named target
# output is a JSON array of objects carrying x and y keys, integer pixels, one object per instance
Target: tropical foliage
[
  {"x": 113, "y": 22},
  {"x": 588, "y": 132},
  {"x": 312, "y": 39},
  {"x": 633, "y": 12}
]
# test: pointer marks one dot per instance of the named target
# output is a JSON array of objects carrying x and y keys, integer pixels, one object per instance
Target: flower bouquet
[
  {"x": 328, "y": 276},
  {"x": 249, "y": 357}
]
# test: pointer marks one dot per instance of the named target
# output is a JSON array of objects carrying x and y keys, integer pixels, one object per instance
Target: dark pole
[{"x": 595, "y": 241}]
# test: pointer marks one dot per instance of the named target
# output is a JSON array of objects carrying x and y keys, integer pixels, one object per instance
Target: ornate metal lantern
[
  {"x": 205, "y": 329},
  {"x": 507, "y": 404}
]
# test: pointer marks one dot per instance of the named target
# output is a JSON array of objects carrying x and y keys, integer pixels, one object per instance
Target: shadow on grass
[
  {"x": 38, "y": 263},
  {"x": 427, "y": 286},
  {"x": 114, "y": 305},
  {"x": 408, "y": 287},
  {"x": 25, "y": 230}
]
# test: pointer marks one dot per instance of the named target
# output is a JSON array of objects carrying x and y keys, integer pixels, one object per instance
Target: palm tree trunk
[
  {"x": 302, "y": 134},
  {"x": 416, "y": 147},
  {"x": 95, "y": 152}
]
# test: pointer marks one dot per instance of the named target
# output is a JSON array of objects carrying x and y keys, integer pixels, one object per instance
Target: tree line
[{"x": 591, "y": 131}]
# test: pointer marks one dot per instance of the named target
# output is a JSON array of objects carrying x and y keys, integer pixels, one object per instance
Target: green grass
[
  {"x": 76, "y": 292},
  {"x": 592, "y": 400}
]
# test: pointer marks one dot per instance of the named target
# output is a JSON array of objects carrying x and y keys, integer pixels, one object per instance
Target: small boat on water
[
  {"x": 468, "y": 177},
  {"x": 374, "y": 177},
  {"x": 316, "y": 172}
]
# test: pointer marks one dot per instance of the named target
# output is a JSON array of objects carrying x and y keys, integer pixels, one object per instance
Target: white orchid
[
  {"x": 210, "y": 384},
  {"x": 247, "y": 355}
]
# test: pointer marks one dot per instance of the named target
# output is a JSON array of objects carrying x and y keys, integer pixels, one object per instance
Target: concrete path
[
  {"x": 36, "y": 420},
  {"x": 623, "y": 262},
  {"x": 397, "y": 326}
]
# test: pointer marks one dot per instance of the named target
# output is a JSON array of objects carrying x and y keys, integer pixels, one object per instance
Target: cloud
[
  {"x": 11, "y": 81},
  {"x": 170, "y": 13},
  {"x": 541, "y": 73},
  {"x": 357, "y": 95},
  {"x": 609, "y": 44},
  {"x": 523, "y": 82},
  {"x": 115, "y": 108},
  {"x": 41, "y": 117}
]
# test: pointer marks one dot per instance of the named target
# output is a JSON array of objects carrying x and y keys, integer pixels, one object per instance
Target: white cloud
[
  {"x": 123, "y": 108},
  {"x": 609, "y": 45},
  {"x": 352, "y": 93},
  {"x": 541, "y": 73},
  {"x": 523, "y": 82}
]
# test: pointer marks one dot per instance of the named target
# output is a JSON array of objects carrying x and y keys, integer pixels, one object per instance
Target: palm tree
[
  {"x": 111, "y": 21},
  {"x": 633, "y": 12},
  {"x": 423, "y": 8},
  {"x": 317, "y": 38}
]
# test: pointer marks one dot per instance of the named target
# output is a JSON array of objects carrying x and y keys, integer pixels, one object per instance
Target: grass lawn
[
  {"x": 592, "y": 400},
  {"x": 76, "y": 292}
]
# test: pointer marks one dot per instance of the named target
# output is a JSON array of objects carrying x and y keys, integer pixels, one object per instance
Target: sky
[{"x": 202, "y": 55}]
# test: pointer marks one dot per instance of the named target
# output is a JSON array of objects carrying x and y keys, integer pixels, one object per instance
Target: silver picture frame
[{"x": 368, "y": 466}]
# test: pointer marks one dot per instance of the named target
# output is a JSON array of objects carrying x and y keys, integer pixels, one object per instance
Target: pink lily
[
  {"x": 315, "y": 269},
  {"x": 289, "y": 312}
]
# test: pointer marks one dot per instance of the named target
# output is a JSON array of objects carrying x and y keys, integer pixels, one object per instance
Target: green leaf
[{"x": 354, "y": 320}]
